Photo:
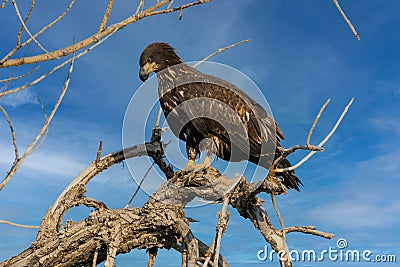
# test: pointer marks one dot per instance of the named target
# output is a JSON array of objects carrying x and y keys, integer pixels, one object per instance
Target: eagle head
[{"x": 156, "y": 57}]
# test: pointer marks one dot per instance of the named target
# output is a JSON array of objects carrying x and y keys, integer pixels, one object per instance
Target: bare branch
[
  {"x": 14, "y": 139},
  {"x": 96, "y": 254},
  {"x": 221, "y": 227},
  {"x": 141, "y": 6},
  {"x": 309, "y": 230},
  {"x": 28, "y": 151},
  {"x": 25, "y": 21},
  {"x": 281, "y": 222},
  {"x": 209, "y": 252},
  {"x": 62, "y": 15},
  {"x": 99, "y": 151},
  {"x": 308, "y": 146},
  {"x": 309, "y": 155},
  {"x": 53, "y": 69},
  {"x": 152, "y": 256},
  {"x": 170, "y": 4},
  {"x": 316, "y": 121},
  {"x": 97, "y": 36},
  {"x": 336, "y": 2},
  {"x": 43, "y": 138},
  {"x": 106, "y": 15},
  {"x": 219, "y": 51},
  {"x": 21, "y": 76},
  {"x": 3, "y": 4},
  {"x": 158, "y": 118},
  {"x": 90, "y": 203},
  {"x": 191, "y": 246},
  {"x": 14, "y": 3},
  {"x": 139, "y": 186},
  {"x": 111, "y": 253},
  {"x": 285, "y": 259},
  {"x": 180, "y": 14},
  {"x": 19, "y": 225},
  {"x": 17, "y": 47}
]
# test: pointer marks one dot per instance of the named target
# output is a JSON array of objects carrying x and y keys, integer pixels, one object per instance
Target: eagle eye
[{"x": 148, "y": 59}]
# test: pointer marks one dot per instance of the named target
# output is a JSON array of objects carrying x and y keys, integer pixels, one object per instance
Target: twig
[
  {"x": 309, "y": 155},
  {"x": 96, "y": 253},
  {"x": 90, "y": 202},
  {"x": 278, "y": 214},
  {"x": 152, "y": 256},
  {"x": 209, "y": 252},
  {"x": 21, "y": 76},
  {"x": 219, "y": 51},
  {"x": 13, "y": 71},
  {"x": 308, "y": 230},
  {"x": 25, "y": 21},
  {"x": 308, "y": 146},
  {"x": 190, "y": 243},
  {"x": 14, "y": 3},
  {"x": 170, "y": 4},
  {"x": 3, "y": 4},
  {"x": 47, "y": 130},
  {"x": 222, "y": 224},
  {"x": 316, "y": 121},
  {"x": 19, "y": 225},
  {"x": 99, "y": 151},
  {"x": 158, "y": 118},
  {"x": 180, "y": 14},
  {"x": 28, "y": 151},
  {"x": 54, "y": 69},
  {"x": 336, "y": 2},
  {"x": 223, "y": 218},
  {"x": 140, "y": 6},
  {"x": 111, "y": 253},
  {"x": 106, "y": 15},
  {"x": 14, "y": 139},
  {"x": 139, "y": 185}
]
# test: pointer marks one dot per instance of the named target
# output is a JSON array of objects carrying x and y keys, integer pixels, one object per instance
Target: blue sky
[{"x": 300, "y": 54}]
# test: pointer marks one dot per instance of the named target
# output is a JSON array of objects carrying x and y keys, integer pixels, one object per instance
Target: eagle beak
[
  {"x": 143, "y": 75},
  {"x": 146, "y": 70}
]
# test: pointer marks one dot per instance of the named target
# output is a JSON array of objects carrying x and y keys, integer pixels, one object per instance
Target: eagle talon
[
  {"x": 191, "y": 167},
  {"x": 196, "y": 168}
]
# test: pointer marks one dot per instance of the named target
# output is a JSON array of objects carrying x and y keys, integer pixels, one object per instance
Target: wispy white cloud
[
  {"x": 48, "y": 162},
  {"x": 385, "y": 165},
  {"x": 24, "y": 97},
  {"x": 386, "y": 123},
  {"x": 366, "y": 199},
  {"x": 55, "y": 163},
  {"x": 357, "y": 211}
]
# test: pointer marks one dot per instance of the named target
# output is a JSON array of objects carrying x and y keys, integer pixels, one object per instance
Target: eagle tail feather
[{"x": 289, "y": 179}]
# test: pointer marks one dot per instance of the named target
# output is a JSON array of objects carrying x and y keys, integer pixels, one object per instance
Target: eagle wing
[{"x": 218, "y": 108}]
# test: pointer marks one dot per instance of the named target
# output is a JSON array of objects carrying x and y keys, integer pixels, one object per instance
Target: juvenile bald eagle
[{"x": 199, "y": 107}]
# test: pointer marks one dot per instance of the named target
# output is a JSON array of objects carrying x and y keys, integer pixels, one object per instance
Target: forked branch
[{"x": 313, "y": 149}]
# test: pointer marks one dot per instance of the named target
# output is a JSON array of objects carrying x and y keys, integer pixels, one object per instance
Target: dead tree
[{"x": 161, "y": 222}]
